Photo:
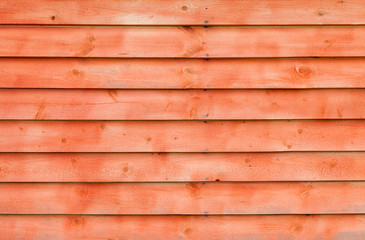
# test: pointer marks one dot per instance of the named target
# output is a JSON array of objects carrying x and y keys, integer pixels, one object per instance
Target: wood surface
[
  {"x": 194, "y": 119},
  {"x": 121, "y": 73},
  {"x": 265, "y": 227},
  {"x": 188, "y": 12},
  {"x": 45, "y": 104},
  {"x": 183, "y": 198},
  {"x": 182, "y": 136},
  {"x": 183, "y": 42},
  {"x": 181, "y": 167}
]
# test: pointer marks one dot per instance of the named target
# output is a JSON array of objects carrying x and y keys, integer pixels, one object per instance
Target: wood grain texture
[
  {"x": 183, "y": 198},
  {"x": 180, "y": 105},
  {"x": 176, "y": 167},
  {"x": 111, "y": 137},
  {"x": 312, "y": 227},
  {"x": 181, "y": 73},
  {"x": 182, "y": 136},
  {"x": 182, "y": 42},
  {"x": 191, "y": 12}
]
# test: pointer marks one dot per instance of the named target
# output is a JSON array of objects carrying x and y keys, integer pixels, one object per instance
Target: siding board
[
  {"x": 182, "y": 42},
  {"x": 183, "y": 198},
  {"x": 191, "y": 12},
  {"x": 181, "y": 167},
  {"x": 311, "y": 227},
  {"x": 182, "y": 136},
  {"x": 181, "y": 73},
  {"x": 181, "y": 105}
]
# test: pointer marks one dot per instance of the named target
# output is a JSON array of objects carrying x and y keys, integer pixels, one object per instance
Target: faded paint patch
[{"x": 350, "y": 236}]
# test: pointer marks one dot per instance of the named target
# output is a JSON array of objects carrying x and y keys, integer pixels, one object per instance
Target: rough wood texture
[
  {"x": 181, "y": 105},
  {"x": 182, "y": 42},
  {"x": 176, "y": 167},
  {"x": 183, "y": 198},
  {"x": 191, "y": 12},
  {"x": 182, "y": 119},
  {"x": 182, "y": 136},
  {"x": 313, "y": 227},
  {"x": 182, "y": 73}
]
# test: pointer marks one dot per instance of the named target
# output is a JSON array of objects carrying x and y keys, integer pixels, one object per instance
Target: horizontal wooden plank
[
  {"x": 176, "y": 167},
  {"x": 48, "y": 104},
  {"x": 182, "y": 136},
  {"x": 313, "y": 227},
  {"x": 181, "y": 73},
  {"x": 187, "y": 198},
  {"x": 182, "y": 42},
  {"x": 191, "y": 12}
]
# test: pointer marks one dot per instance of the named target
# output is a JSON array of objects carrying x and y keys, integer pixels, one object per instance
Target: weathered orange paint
[
  {"x": 188, "y": 12},
  {"x": 181, "y": 167},
  {"x": 265, "y": 227},
  {"x": 182, "y": 136},
  {"x": 135, "y": 111},
  {"x": 183, "y": 198},
  {"x": 181, "y": 73},
  {"x": 183, "y": 42},
  {"x": 48, "y": 104}
]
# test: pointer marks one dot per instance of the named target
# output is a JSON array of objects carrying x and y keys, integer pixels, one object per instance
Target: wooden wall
[{"x": 182, "y": 119}]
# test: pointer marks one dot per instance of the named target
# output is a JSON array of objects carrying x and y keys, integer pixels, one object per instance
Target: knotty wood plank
[
  {"x": 176, "y": 167},
  {"x": 181, "y": 73},
  {"x": 192, "y": 12},
  {"x": 182, "y": 136},
  {"x": 312, "y": 227},
  {"x": 182, "y": 42},
  {"x": 187, "y": 198},
  {"x": 181, "y": 105}
]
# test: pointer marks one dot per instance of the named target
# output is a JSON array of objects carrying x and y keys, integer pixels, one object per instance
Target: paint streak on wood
[
  {"x": 185, "y": 167},
  {"x": 191, "y": 12},
  {"x": 187, "y": 198},
  {"x": 178, "y": 42},
  {"x": 181, "y": 73},
  {"x": 182, "y": 136},
  {"x": 181, "y": 105}
]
